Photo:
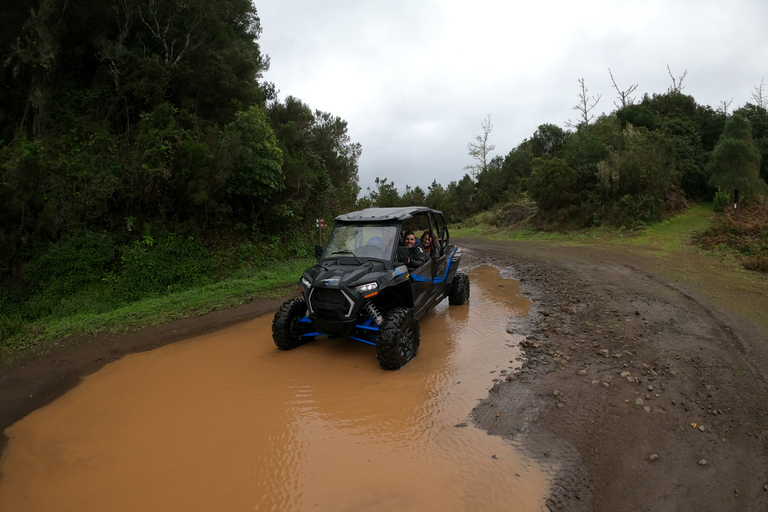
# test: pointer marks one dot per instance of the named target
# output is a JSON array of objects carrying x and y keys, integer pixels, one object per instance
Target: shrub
[
  {"x": 60, "y": 269},
  {"x": 722, "y": 200},
  {"x": 151, "y": 266},
  {"x": 747, "y": 238},
  {"x": 633, "y": 210},
  {"x": 10, "y": 325}
]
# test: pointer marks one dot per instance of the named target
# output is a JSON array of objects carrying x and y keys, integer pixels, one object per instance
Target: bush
[
  {"x": 61, "y": 269},
  {"x": 633, "y": 210},
  {"x": 746, "y": 238},
  {"x": 172, "y": 263},
  {"x": 553, "y": 184},
  {"x": 92, "y": 273},
  {"x": 722, "y": 200},
  {"x": 10, "y": 325},
  {"x": 74, "y": 261}
]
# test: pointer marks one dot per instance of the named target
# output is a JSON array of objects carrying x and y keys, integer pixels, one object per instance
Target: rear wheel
[
  {"x": 286, "y": 329},
  {"x": 459, "y": 290},
  {"x": 398, "y": 340}
]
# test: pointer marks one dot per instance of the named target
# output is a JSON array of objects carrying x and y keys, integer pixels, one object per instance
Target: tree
[
  {"x": 258, "y": 175},
  {"x": 385, "y": 195},
  {"x": 624, "y": 95},
  {"x": 759, "y": 97},
  {"x": 320, "y": 162},
  {"x": 338, "y": 156},
  {"x": 735, "y": 162},
  {"x": 548, "y": 140},
  {"x": 637, "y": 116},
  {"x": 494, "y": 181},
  {"x": 480, "y": 150},
  {"x": 517, "y": 164},
  {"x": 553, "y": 184},
  {"x": 413, "y": 196},
  {"x": 584, "y": 107},
  {"x": 758, "y": 119},
  {"x": 643, "y": 167},
  {"x": 724, "y": 106},
  {"x": 462, "y": 195},
  {"x": 677, "y": 85},
  {"x": 436, "y": 196}
]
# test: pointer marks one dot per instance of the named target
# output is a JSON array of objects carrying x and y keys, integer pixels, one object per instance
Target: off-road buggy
[{"x": 362, "y": 289}]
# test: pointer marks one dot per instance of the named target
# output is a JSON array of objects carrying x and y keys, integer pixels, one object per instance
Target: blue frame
[{"x": 368, "y": 329}]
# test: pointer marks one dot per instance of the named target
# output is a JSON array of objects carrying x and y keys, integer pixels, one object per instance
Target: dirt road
[{"x": 644, "y": 385}]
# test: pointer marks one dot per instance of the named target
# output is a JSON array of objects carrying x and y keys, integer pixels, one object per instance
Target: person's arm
[{"x": 418, "y": 257}]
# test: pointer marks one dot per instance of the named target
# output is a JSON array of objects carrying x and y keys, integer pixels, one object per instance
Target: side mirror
[{"x": 318, "y": 252}]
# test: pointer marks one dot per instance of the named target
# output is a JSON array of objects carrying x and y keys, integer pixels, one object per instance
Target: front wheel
[
  {"x": 287, "y": 329},
  {"x": 398, "y": 340},
  {"x": 459, "y": 293}
]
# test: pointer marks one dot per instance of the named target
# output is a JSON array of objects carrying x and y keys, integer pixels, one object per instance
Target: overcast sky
[{"x": 415, "y": 78}]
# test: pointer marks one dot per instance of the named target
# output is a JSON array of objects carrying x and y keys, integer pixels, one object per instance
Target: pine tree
[{"x": 735, "y": 162}]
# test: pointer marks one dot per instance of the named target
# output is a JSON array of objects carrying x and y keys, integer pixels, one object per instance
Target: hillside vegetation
[{"x": 142, "y": 154}]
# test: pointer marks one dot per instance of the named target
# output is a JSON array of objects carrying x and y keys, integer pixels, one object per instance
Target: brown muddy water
[{"x": 228, "y": 422}]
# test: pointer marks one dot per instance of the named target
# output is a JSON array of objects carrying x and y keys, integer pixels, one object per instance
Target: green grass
[
  {"x": 493, "y": 233},
  {"x": 668, "y": 235},
  {"x": 673, "y": 234},
  {"x": 248, "y": 285}
]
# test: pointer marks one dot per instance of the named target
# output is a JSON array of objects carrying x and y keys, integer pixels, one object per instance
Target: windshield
[{"x": 371, "y": 241}]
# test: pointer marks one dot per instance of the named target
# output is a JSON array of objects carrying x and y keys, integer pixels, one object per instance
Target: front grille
[
  {"x": 329, "y": 296},
  {"x": 330, "y": 303},
  {"x": 327, "y": 314}
]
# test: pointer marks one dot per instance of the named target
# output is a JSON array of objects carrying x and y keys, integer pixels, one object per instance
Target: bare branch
[
  {"x": 757, "y": 95},
  {"x": 160, "y": 24},
  {"x": 584, "y": 106},
  {"x": 481, "y": 149},
  {"x": 113, "y": 51},
  {"x": 624, "y": 96},
  {"x": 677, "y": 85},
  {"x": 724, "y": 106}
]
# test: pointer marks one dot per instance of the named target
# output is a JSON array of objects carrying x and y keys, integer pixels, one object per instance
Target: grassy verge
[
  {"x": 673, "y": 234},
  {"x": 673, "y": 251},
  {"x": 246, "y": 286},
  {"x": 670, "y": 235}
]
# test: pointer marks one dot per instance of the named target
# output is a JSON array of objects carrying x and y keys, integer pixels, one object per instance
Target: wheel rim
[{"x": 406, "y": 343}]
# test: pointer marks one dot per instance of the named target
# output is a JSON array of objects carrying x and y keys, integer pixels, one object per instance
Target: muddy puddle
[{"x": 228, "y": 422}]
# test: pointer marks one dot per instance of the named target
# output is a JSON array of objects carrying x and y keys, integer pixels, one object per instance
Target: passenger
[
  {"x": 416, "y": 255},
  {"x": 426, "y": 242}
]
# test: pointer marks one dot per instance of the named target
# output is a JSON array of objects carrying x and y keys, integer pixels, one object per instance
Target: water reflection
[{"x": 227, "y": 422}]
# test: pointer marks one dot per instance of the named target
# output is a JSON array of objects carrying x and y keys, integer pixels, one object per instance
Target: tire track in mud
[
  {"x": 737, "y": 341},
  {"x": 511, "y": 412},
  {"x": 609, "y": 336}
]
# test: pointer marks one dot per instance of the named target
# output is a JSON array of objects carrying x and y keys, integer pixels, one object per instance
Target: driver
[{"x": 416, "y": 255}]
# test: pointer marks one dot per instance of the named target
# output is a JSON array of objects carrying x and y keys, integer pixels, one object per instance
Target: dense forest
[
  {"x": 641, "y": 163},
  {"x": 140, "y": 147},
  {"x": 142, "y": 152}
]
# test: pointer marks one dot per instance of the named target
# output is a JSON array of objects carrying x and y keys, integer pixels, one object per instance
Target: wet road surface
[{"x": 228, "y": 422}]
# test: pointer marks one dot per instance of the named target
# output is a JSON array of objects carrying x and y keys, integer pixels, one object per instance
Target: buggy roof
[{"x": 385, "y": 214}]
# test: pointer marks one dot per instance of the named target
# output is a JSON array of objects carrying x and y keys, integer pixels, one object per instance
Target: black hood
[{"x": 342, "y": 276}]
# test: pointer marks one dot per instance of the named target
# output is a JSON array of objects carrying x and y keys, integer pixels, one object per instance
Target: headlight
[
  {"x": 306, "y": 283},
  {"x": 365, "y": 288}
]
